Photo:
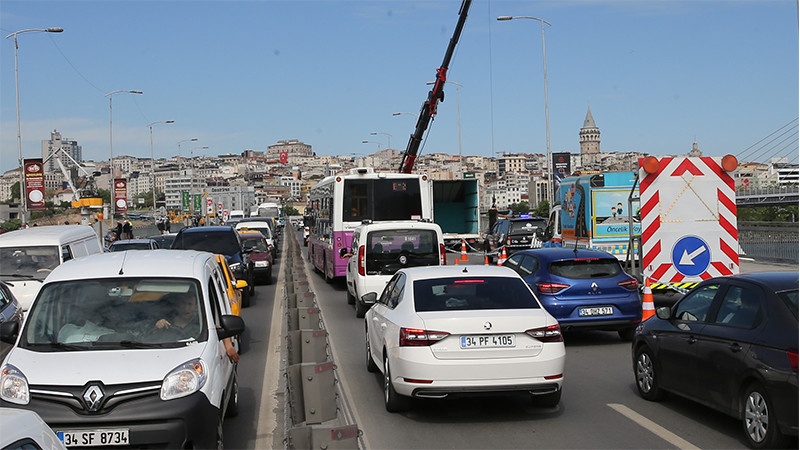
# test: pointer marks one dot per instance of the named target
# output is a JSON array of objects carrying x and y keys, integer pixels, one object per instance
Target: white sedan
[{"x": 450, "y": 330}]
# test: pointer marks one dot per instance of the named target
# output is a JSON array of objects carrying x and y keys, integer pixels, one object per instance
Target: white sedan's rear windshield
[{"x": 449, "y": 294}]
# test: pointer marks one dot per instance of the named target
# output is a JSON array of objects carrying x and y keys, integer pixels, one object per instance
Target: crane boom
[{"x": 435, "y": 95}]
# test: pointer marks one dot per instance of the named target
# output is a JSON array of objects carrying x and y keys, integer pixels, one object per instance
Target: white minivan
[
  {"x": 28, "y": 256},
  {"x": 127, "y": 348},
  {"x": 380, "y": 249}
]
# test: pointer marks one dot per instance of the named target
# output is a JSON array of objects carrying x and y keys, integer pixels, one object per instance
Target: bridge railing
[{"x": 769, "y": 241}]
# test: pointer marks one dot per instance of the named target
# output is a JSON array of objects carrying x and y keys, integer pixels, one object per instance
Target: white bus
[{"x": 339, "y": 203}]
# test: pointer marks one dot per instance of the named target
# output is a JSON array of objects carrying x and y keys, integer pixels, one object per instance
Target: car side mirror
[
  {"x": 241, "y": 284},
  {"x": 664, "y": 312},
  {"x": 9, "y": 332},
  {"x": 231, "y": 326},
  {"x": 370, "y": 297}
]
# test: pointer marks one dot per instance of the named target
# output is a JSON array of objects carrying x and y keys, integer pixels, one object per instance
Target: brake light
[
  {"x": 551, "y": 288},
  {"x": 508, "y": 240},
  {"x": 792, "y": 354},
  {"x": 442, "y": 255},
  {"x": 362, "y": 267},
  {"x": 415, "y": 337},
  {"x": 629, "y": 284},
  {"x": 546, "y": 334}
]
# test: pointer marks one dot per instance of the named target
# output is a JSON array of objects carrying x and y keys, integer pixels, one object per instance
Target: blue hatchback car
[{"x": 581, "y": 288}]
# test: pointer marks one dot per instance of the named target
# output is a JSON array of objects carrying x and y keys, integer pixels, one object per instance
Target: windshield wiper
[
  {"x": 16, "y": 275},
  {"x": 137, "y": 344},
  {"x": 58, "y": 345}
]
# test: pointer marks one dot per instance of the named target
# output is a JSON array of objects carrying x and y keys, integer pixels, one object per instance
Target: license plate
[
  {"x": 488, "y": 341},
  {"x": 94, "y": 438},
  {"x": 597, "y": 311}
]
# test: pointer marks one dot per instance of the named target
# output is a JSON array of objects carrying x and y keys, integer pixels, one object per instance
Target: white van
[
  {"x": 382, "y": 248},
  {"x": 128, "y": 348},
  {"x": 28, "y": 256}
]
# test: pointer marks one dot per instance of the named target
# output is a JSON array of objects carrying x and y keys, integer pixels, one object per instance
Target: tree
[
  {"x": 543, "y": 209},
  {"x": 15, "y": 191},
  {"x": 519, "y": 208},
  {"x": 289, "y": 210}
]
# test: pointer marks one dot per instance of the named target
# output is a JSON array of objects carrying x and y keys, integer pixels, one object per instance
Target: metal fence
[{"x": 769, "y": 241}]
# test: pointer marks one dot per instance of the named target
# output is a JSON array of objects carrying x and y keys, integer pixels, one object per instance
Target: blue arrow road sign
[{"x": 691, "y": 256}]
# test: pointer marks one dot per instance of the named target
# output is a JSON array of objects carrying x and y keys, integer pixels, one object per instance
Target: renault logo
[
  {"x": 594, "y": 287},
  {"x": 487, "y": 325},
  {"x": 93, "y": 397}
]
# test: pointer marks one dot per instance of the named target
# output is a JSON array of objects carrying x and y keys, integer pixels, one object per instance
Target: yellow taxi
[{"x": 232, "y": 286}]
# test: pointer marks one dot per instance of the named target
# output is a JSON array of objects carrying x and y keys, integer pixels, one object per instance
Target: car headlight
[
  {"x": 184, "y": 380},
  {"x": 14, "y": 386}
]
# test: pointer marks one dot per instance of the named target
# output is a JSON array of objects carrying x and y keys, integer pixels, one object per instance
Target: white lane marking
[{"x": 653, "y": 427}]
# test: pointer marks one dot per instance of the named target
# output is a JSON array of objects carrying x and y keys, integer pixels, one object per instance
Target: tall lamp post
[
  {"x": 153, "y": 162},
  {"x": 179, "y": 150},
  {"x": 110, "y": 95},
  {"x": 550, "y": 195},
  {"x": 388, "y": 137},
  {"x": 23, "y": 199},
  {"x": 458, "y": 113}
]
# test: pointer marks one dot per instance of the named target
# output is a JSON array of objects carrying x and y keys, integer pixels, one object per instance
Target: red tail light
[
  {"x": 415, "y": 337},
  {"x": 547, "y": 334},
  {"x": 792, "y": 354},
  {"x": 551, "y": 288},
  {"x": 362, "y": 267},
  {"x": 442, "y": 254},
  {"x": 629, "y": 284}
]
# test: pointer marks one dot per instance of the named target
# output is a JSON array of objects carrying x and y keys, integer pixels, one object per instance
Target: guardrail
[
  {"x": 769, "y": 241},
  {"x": 315, "y": 417}
]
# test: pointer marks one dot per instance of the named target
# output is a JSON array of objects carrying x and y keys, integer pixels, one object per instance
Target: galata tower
[{"x": 590, "y": 140}]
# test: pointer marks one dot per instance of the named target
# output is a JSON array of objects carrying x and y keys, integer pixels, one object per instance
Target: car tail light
[
  {"x": 547, "y": 334},
  {"x": 362, "y": 267},
  {"x": 792, "y": 354},
  {"x": 415, "y": 337},
  {"x": 508, "y": 241},
  {"x": 551, "y": 288},
  {"x": 629, "y": 284},
  {"x": 442, "y": 254}
]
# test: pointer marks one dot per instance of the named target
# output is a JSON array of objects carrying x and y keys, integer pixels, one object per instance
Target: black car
[
  {"x": 10, "y": 311},
  {"x": 514, "y": 233},
  {"x": 223, "y": 240},
  {"x": 730, "y": 344}
]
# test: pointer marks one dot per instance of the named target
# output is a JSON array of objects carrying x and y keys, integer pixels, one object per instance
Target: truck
[
  {"x": 455, "y": 210},
  {"x": 594, "y": 212}
]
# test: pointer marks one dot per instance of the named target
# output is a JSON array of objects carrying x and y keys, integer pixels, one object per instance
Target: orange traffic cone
[
  {"x": 485, "y": 260},
  {"x": 456, "y": 261},
  {"x": 502, "y": 257},
  {"x": 648, "y": 306},
  {"x": 464, "y": 251}
]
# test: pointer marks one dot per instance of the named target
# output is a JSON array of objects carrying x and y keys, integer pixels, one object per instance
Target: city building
[{"x": 61, "y": 148}]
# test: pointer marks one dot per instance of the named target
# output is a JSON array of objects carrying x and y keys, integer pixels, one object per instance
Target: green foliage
[
  {"x": 543, "y": 209},
  {"x": 11, "y": 225},
  {"x": 783, "y": 213},
  {"x": 15, "y": 191},
  {"x": 519, "y": 208},
  {"x": 289, "y": 210}
]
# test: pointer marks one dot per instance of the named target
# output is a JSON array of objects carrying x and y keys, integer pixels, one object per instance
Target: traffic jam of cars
[{"x": 132, "y": 347}]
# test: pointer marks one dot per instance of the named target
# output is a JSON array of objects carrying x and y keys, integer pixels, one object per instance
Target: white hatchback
[
  {"x": 380, "y": 249},
  {"x": 127, "y": 349},
  {"x": 442, "y": 331}
]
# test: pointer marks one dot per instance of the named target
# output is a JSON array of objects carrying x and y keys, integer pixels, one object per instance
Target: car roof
[
  {"x": 566, "y": 253},
  {"x": 774, "y": 281},
  {"x": 47, "y": 234},
  {"x": 250, "y": 234},
  {"x": 394, "y": 224},
  {"x": 462, "y": 271},
  {"x": 213, "y": 229},
  {"x": 252, "y": 224},
  {"x": 134, "y": 241},
  {"x": 154, "y": 263}
]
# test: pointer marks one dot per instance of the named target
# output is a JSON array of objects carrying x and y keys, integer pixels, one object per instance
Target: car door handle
[{"x": 735, "y": 348}]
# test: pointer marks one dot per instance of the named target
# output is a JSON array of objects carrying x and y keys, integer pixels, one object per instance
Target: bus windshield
[{"x": 381, "y": 199}]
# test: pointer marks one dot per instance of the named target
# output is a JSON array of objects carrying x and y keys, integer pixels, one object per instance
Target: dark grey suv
[{"x": 514, "y": 233}]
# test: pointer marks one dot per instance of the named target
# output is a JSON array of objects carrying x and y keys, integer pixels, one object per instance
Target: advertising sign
[
  {"x": 34, "y": 184},
  {"x": 121, "y": 195},
  {"x": 185, "y": 201},
  {"x": 197, "y": 203},
  {"x": 561, "y": 170},
  {"x": 209, "y": 206}
]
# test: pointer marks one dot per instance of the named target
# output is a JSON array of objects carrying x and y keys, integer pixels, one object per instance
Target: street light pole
[
  {"x": 550, "y": 195},
  {"x": 153, "y": 162},
  {"x": 191, "y": 178},
  {"x": 179, "y": 150},
  {"x": 388, "y": 137},
  {"x": 22, "y": 195},
  {"x": 111, "y": 192}
]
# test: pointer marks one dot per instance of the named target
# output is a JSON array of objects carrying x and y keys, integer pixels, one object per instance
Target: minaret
[{"x": 589, "y": 139}]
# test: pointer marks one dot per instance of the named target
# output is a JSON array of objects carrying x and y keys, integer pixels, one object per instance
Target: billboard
[
  {"x": 34, "y": 184},
  {"x": 121, "y": 195},
  {"x": 561, "y": 169}
]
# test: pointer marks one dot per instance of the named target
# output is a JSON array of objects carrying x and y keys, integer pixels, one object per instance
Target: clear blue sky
[{"x": 242, "y": 75}]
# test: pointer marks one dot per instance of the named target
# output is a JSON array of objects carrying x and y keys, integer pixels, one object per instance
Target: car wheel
[
  {"x": 758, "y": 419},
  {"x": 371, "y": 366},
  {"x": 394, "y": 402},
  {"x": 626, "y": 334},
  {"x": 233, "y": 401},
  {"x": 549, "y": 400},
  {"x": 361, "y": 309},
  {"x": 350, "y": 298},
  {"x": 646, "y": 376}
]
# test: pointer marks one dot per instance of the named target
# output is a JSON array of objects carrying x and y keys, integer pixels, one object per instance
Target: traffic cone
[
  {"x": 648, "y": 306},
  {"x": 464, "y": 251},
  {"x": 456, "y": 261},
  {"x": 485, "y": 259},
  {"x": 501, "y": 258}
]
